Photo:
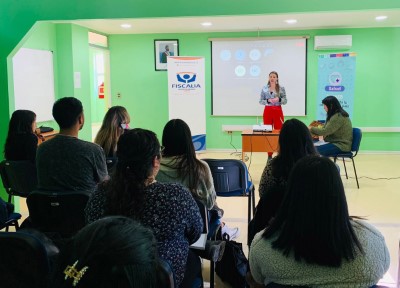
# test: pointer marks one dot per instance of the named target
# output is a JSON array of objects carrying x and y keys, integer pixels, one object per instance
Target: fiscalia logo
[{"x": 186, "y": 80}]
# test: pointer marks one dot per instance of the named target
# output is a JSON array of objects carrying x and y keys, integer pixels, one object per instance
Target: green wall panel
[{"x": 144, "y": 91}]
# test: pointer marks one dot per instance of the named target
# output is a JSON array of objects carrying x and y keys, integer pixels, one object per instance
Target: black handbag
[{"x": 233, "y": 266}]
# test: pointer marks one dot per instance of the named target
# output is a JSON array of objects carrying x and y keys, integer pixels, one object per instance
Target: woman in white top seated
[{"x": 313, "y": 241}]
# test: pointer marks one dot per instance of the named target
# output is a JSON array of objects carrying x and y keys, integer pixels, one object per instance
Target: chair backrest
[
  {"x": 19, "y": 177},
  {"x": 23, "y": 262},
  {"x": 230, "y": 176},
  {"x": 58, "y": 212},
  {"x": 204, "y": 215},
  {"x": 357, "y": 135}
]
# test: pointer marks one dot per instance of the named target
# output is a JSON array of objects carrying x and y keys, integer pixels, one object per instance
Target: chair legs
[
  {"x": 355, "y": 172},
  {"x": 345, "y": 170},
  {"x": 13, "y": 223},
  {"x": 253, "y": 196},
  {"x": 212, "y": 272},
  {"x": 249, "y": 207},
  {"x": 251, "y": 204}
]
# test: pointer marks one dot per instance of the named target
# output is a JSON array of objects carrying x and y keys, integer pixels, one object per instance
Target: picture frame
[{"x": 162, "y": 49}]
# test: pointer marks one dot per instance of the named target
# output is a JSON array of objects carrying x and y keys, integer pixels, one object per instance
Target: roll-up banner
[
  {"x": 186, "y": 94},
  {"x": 336, "y": 77}
]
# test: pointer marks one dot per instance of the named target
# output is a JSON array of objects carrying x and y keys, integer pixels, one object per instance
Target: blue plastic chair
[
  {"x": 355, "y": 146},
  {"x": 231, "y": 179}
]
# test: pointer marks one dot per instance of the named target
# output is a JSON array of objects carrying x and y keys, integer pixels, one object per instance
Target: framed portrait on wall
[{"x": 163, "y": 49}]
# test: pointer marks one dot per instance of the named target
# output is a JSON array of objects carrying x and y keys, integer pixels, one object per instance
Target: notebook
[{"x": 200, "y": 243}]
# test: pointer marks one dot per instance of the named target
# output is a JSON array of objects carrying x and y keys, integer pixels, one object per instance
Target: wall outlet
[{"x": 119, "y": 95}]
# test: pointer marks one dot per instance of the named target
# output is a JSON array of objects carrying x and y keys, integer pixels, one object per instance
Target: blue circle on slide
[
  {"x": 255, "y": 54},
  {"x": 240, "y": 71},
  {"x": 240, "y": 55},
  {"x": 255, "y": 70},
  {"x": 225, "y": 55}
]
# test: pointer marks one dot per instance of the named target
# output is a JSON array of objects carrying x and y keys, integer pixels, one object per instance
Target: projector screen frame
[{"x": 298, "y": 103}]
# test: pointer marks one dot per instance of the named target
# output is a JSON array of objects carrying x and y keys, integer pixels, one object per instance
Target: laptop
[{"x": 262, "y": 128}]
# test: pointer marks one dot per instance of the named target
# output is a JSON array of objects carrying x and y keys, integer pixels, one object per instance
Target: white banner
[{"x": 186, "y": 94}]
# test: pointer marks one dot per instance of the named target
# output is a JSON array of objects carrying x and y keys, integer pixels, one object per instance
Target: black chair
[
  {"x": 204, "y": 215},
  {"x": 24, "y": 262},
  {"x": 231, "y": 179},
  {"x": 355, "y": 146},
  {"x": 19, "y": 177},
  {"x": 7, "y": 216},
  {"x": 61, "y": 213},
  {"x": 11, "y": 221}
]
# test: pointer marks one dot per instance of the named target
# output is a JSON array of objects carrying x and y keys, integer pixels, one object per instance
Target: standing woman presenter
[{"x": 273, "y": 96}]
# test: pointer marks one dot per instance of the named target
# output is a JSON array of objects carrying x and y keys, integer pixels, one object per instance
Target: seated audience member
[
  {"x": 168, "y": 209},
  {"x": 295, "y": 142},
  {"x": 111, "y": 252},
  {"x": 313, "y": 241},
  {"x": 337, "y": 130},
  {"x": 66, "y": 163},
  {"x": 21, "y": 142},
  {"x": 180, "y": 165},
  {"x": 114, "y": 123}
]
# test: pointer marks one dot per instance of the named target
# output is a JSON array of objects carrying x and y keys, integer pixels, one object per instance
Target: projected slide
[{"x": 240, "y": 69}]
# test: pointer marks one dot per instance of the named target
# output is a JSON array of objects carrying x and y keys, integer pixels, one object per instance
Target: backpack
[{"x": 233, "y": 266}]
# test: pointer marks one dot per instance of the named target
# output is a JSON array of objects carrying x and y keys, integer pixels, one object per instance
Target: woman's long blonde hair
[{"x": 111, "y": 129}]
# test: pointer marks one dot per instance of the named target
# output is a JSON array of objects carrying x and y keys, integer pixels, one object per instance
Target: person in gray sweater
[
  {"x": 337, "y": 130},
  {"x": 66, "y": 163},
  {"x": 313, "y": 241}
]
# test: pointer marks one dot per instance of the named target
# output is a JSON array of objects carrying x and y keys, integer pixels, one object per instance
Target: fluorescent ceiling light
[
  {"x": 206, "y": 24},
  {"x": 126, "y": 26},
  {"x": 291, "y": 21},
  {"x": 380, "y": 18}
]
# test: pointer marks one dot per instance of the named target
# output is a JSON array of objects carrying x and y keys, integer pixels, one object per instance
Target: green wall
[{"x": 144, "y": 90}]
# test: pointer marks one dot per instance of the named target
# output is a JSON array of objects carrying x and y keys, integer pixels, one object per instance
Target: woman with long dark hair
[
  {"x": 180, "y": 165},
  {"x": 111, "y": 252},
  {"x": 169, "y": 209},
  {"x": 337, "y": 129},
  {"x": 313, "y": 241},
  {"x": 21, "y": 143},
  {"x": 295, "y": 142}
]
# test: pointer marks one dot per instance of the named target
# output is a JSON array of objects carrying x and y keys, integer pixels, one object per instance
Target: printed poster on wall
[
  {"x": 186, "y": 95},
  {"x": 336, "y": 77}
]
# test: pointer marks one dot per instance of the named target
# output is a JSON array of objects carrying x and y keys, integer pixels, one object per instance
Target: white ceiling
[{"x": 305, "y": 21}]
